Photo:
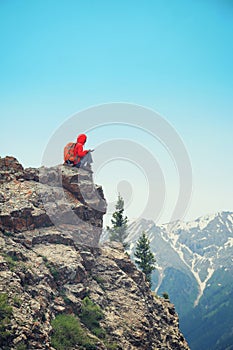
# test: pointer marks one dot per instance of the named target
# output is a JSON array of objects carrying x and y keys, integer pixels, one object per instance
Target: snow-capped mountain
[{"x": 194, "y": 260}]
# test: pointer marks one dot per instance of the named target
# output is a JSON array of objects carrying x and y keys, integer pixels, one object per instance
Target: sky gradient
[{"x": 176, "y": 57}]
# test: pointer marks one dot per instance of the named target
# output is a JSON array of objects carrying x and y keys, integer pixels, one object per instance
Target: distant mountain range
[{"x": 194, "y": 265}]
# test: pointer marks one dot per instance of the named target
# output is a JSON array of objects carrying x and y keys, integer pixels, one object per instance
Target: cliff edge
[{"x": 51, "y": 265}]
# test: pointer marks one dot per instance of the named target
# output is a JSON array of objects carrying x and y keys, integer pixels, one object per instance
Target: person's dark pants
[
  {"x": 68, "y": 162},
  {"x": 85, "y": 161}
]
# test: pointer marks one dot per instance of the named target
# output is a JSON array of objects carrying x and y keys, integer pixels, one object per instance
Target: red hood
[{"x": 81, "y": 139}]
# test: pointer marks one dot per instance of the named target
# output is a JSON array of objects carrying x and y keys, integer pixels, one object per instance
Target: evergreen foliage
[
  {"x": 118, "y": 231},
  {"x": 165, "y": 295},
  {"x": 144, "y": 257}
]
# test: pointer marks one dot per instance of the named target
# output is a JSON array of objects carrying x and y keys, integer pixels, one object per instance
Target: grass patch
[
  {"x": 111, "y": 346},
  {"x": 67, "y": 333},
  {"x": 17, "y": 301},
  {"x": 21, "y": 346},
  {"x": 53, "y": 270},
  {"x": 90, "y": 315},
  {"x": 11, "y": 261},
  {"x": 99, "y": 279},
  {"x": 5, "y": 316}
]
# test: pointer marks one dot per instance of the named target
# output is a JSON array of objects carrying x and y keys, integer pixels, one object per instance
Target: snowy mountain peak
[
  {"x": 194, "y": 265},
  {"x": 200, "y": 246},
  {"x": 217, "y": 219}
]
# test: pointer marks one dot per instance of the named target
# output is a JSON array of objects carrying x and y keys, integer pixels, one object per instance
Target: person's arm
[{"x": 80, "y": 151}]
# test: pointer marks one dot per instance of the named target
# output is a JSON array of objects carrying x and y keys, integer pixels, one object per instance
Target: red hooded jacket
[{"x": 78, "y": 150}]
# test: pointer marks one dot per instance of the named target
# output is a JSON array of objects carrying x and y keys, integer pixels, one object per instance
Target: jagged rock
[
  {"x": 31, "y": 174},
  {"x": 10, "y": 169},
  {"x": 61, "y": 196},
  {"x": 130, "y": 309},
  {"x": 49, "y": 264}
]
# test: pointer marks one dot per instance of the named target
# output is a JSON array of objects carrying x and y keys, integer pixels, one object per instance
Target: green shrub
[
  {"x": 67, "y": 333},
  {"x": 99, "y": 279},
  {"x": 17, "y": 301},
  {"x": 11, "y": 261},
  {"x": 44, "y": 258},
  {"x": 165, "y": 295},
  {"x": 90, "y": 315},
  {"x": 5, "y": 315},
  {"x": 99, "y": 332},
  {"x": 21, "y": 346},
  {"x": 53, "y": 270},
  {"x": 111, "y": 346},
  {"x": 8, "y": 234}
]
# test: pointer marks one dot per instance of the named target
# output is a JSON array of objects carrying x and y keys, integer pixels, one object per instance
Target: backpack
[{"x": 69, "y": 152}]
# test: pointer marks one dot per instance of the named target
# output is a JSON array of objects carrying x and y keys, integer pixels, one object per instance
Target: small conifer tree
[
  {"x": 144, "y": 257},
  {"x": 118, "y": 231}
]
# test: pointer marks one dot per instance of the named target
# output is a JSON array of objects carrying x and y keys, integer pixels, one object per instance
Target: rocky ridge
[{"x": 51, "y": 260}]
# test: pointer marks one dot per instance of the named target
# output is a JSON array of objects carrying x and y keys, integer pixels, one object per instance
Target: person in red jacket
[{"x": 83, "y": 158}]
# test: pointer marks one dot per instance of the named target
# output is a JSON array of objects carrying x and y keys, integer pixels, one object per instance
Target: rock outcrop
[
  {"x": 61, "y": 196},
  {"x": 50, "y": 261}
]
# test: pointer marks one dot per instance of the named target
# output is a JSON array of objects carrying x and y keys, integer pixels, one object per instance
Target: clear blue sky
[{"x": 174, "y": 56}]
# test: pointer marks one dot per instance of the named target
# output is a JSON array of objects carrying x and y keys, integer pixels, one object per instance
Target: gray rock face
[
  {"x": 135, "y": 318},
  {"x": 60, "y": 196},
  {"x": 47, "y": 267}
]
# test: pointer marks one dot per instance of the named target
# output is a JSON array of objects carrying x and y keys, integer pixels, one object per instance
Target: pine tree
[
  {"x": 118, "y": 231},
  {"x": 144, "y": 257}
]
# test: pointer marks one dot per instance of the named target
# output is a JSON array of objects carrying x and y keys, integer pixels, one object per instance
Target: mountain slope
[{"x": 213, "y": 315}]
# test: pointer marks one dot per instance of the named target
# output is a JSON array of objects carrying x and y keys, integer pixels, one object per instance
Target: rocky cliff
[{"x": 51, "y": 265}]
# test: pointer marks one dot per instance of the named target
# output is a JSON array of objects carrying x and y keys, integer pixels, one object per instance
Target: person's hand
[{"x": 91, "y": 150}]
